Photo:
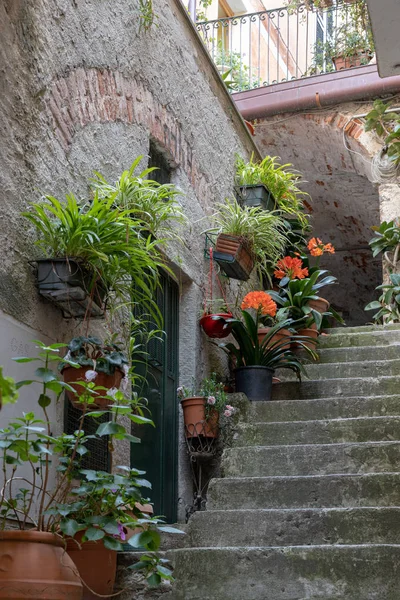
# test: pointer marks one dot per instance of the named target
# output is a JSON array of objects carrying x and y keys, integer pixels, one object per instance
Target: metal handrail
[{"x": 272, "y": 46}]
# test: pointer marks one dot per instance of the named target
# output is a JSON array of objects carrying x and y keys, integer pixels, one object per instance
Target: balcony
[{"x": 284, "y": 44}]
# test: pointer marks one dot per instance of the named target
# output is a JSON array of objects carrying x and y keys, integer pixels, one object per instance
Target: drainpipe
[
  {"x": 192, "y": 10},
  {"x": 321, "y": 91}
]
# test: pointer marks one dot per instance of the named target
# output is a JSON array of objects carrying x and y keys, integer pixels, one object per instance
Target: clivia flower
[
  {"x": 90, "y": 375},
  {"x": 211, "y": 400},
  {"x": 260, "y": 301},
  {"x": 291, "y": 268},
  {"x": 317, "y": 247}
]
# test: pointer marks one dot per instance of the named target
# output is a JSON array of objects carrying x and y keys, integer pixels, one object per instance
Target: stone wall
[{"x": 84, "y": 89}]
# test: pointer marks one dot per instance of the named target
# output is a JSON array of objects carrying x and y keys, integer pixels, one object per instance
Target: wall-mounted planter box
[
  {"x": 233, "y": 256},
  {"x": 66, "y": 283},
  {"x": 255, "y": 196}
]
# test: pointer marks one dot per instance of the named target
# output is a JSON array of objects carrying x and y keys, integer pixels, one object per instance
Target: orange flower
[
  {"x": 290, "y": 267},
  {"x": 317, "y": 247},
  {"x": 260, "y": 301}
]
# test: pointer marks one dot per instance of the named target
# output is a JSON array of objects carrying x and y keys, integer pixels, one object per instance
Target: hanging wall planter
[
  {"x": 233, "y": 256},
  {"x": 66, "y": 283},
  {"x": 73, "y": 375},
  {"x": 215, "y": 328},
  {"x": 256, "y": 196},
  {"x": 194, "y": 415}
]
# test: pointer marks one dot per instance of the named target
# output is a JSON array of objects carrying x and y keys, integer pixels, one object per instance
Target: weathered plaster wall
[
  {"x": 83, "y": 89},
  {"x": 333, "y": 153}
]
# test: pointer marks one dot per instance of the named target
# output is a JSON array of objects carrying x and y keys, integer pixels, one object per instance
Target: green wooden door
[{"x": 157, "y": 452}]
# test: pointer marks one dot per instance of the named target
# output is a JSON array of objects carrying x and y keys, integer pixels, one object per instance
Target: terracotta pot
[
  {"x": 234, "y": 256},
  {"x": 310, "y": 332},
  {"x": 216, "y": 329},
  {"x": 96, "y": 564},
  {"x": 71, "y": 375},
  {"x": 194, "y": 418},
  {"x": 321, "y": 305},
  {"x": 280, "y": 335},
  {"x": 347, "y": 62},
  {"x": 147, "y": 510},
  {"x": 34, "y": 565}
]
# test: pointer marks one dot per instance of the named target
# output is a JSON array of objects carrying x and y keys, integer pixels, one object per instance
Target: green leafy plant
[
  {"x": 249, "y": 351},
  {"x": 154, "y": 205},
  {"x": 240, "y": 76},
  {"x": 281, "y": 180},
  {"x": 388, "y": 305},
  {"x": 264, "y": 232},
  {"x": 8, "y": 389},
  {"x": 90, "y": 352},
  {"x": 386, "y": 124},
  {"x": 146, "y": 14}
]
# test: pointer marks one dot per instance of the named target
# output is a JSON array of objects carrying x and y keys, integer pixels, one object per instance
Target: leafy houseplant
[
  {"x": 386, "y": 124},
  {"x": 387, "y": 241},
  {"x": 256, "y": 360},
  {"x": 388, "y": 305},
  {"x": 202, "y": 408},
  {"x": 8, "y": 390},
  {"x": 152, "y": 204},
  {"x": 93, "y": 361},
  {"x": 247, "y": 237},
  {"x": 80, "y": 501},
  {"x": 280, "y": 181},
  {"x": 211, "y": 326}
]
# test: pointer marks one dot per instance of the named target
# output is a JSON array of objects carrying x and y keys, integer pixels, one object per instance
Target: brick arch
[{"x": 85, "y": 96}]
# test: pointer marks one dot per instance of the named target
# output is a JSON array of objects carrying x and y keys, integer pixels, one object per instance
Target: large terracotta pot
[
  {"x": 96, "y": 564},
  {"x": 321, "y": 305},
  {"x": 356, "y": 60},
  {"x": 234, "y": 256},
  {"x": 214, "y": 328},
  {"x": 280, "y": 335},
  {"x": 71, "y": 374},
  {"x": 312, "y": 333},
  {"x": 195, "y": 420},
  {"x": 34, "y": 565}
]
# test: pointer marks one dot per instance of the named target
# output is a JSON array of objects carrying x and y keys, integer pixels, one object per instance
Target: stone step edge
[
  {"x": 361, "y": 329},
  {"x": 329, "y": 399},
  {"x": 314, "y": 509},
  {"x": 282, "y": 549},
  {"x": 243, "y": 425},
  {"x": 333, "y": 445},
  {"x": 308, "y": 477},
  {"x": 354, "y": 363},
  {"x": 327, "y": 379}
]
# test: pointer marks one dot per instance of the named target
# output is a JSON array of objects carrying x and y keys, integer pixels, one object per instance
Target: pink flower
[
  {"x": 90, "y": 375},
  {"x": 230, "y": 408},
  {"x": 211, "y": 400},
  {"x": 228, "y": 413}
]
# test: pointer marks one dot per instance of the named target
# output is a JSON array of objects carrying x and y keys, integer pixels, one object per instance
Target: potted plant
[
  {"x": 212, "y": 327},
  {"x": 8, "y": 390},
  {"x": 201, "y": 410},
  {"x": 154, "y": 205},
  {"x": 89, "y": 503},
  {"x": 92, "y": 249},
  {"x": 388, "y": 305},
  {"x": 92, "y": 360},
  {"x": 387, "y": 241},
  {"x": 255, "y": 361},
  {"x": 270, "y": 185},
  {"x": 247, "y": 237}
]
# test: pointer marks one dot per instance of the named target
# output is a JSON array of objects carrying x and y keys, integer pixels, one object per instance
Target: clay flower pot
[
  {"x": 195, "y": 418},
  {"x": 310, "y": 332},
  {"x": 72, "y": 375},
  {"x": 215, "y": 328},
  {"x": 321, "y": 305},
  {"x": 33, "y": 564},
  {"x": 97, "y": 566},
  {"x": 234, "y": 256},
  {"x": 280, "y": 335}
]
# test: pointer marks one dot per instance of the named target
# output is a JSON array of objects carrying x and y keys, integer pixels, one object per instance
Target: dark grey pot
[{"x": 255, "y": 382}]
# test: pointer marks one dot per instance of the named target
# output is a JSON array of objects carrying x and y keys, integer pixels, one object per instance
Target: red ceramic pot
[{"x": 215, "y": 328}]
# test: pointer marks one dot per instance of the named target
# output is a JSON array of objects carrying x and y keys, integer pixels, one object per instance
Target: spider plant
[
  {"x": 265, "y": 232},
  {"x": 282, "y": 181},
  {"x": 152, "y": 204}
]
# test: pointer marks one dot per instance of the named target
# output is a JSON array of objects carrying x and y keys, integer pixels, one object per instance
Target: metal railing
[{"x": 272, "y": 46}]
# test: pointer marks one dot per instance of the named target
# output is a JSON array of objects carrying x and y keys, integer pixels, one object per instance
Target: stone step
[
  {"x": 329, "y": 408},
  {"x": 342, "y": 370},
  {"x": 362, "y": 329},
  {"x": 365, "y": 429},
  {"x": 325, "y": 491},
  {"x": 346, "y": 339},
  {"x": 222, "y": 528},
  {"x": 360, "y": 572},
  {"x": 311, "y": 459},
  {"x": 359, "y": 353},
  {"x": 327, "y": 388}
]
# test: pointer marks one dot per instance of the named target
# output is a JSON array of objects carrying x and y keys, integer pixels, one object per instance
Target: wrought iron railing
[{"x": 272, "y": 46}]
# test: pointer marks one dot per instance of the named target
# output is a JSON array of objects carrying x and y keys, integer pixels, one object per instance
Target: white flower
[
  {"x": 90, "y": 375},
  {"x": 125, "y": 369},
  {"x": 211, "y": 400},
  {"x": 124, "y": 383},
  {"x": 180, "y": 392},
  {"x": 112, "y": 391}
]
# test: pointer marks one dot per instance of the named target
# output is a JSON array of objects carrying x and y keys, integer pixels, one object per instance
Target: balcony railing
[{"x": 273, "y": 46}]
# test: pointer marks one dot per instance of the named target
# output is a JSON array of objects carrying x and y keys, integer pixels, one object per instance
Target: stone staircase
[{"x": 309, "y": 505}]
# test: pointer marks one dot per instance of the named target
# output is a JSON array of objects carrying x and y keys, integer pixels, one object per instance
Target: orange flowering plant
[
  {"x": 249, "y": 351},
  {"x": 289, "y": 268},
  {"x": 318, "y": 248}
]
